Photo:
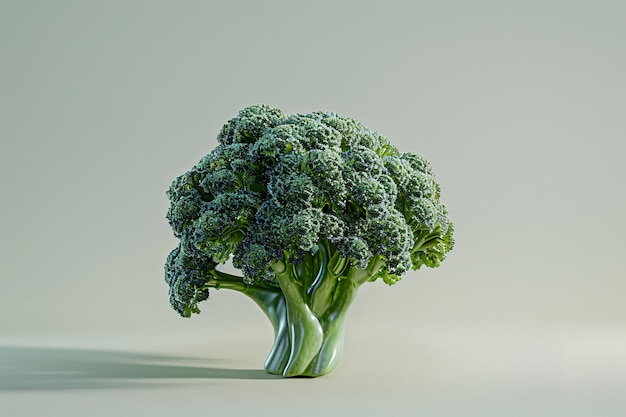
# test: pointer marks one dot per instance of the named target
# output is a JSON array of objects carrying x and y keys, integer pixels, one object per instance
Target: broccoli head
[{"x": 309, "y": 207}]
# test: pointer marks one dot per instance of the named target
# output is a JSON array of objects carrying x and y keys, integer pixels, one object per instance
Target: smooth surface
[{"x": 518, "y": 105}]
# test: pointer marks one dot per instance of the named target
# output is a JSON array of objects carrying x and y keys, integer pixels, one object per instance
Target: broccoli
[{"x": 308, "y": 207}]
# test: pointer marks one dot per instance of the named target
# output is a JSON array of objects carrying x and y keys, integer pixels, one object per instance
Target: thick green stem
[
  {"x": 308, "y": 315},
  {"x": 305, "y": 332},
  {"x": 333, "y": 323}
]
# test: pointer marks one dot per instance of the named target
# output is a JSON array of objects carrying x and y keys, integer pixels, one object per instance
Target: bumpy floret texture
[
  {"x": 186, "y": 276},
  {"x": 276, "y": 186}
]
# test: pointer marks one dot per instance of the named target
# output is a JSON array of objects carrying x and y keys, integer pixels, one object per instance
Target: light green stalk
[{"x": 308, "y": 310}]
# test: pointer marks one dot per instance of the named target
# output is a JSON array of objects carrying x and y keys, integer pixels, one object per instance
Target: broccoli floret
[{"x": 309, "y": 207}]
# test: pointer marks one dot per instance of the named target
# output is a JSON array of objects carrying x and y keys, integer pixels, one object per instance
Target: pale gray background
[{"x": 520, "y": 107}]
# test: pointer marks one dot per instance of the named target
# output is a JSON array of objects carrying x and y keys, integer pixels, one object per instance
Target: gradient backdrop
[{"x": 520, "y": 107}]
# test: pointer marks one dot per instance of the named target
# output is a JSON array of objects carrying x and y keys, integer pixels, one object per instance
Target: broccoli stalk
[
  {"x": 309, "y": 207},
  {"x": 307, "y": 311},
  {"x": 317, "y": 297}
]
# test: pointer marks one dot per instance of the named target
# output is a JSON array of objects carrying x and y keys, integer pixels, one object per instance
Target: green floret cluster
[{"x": 300, "y": 203}]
